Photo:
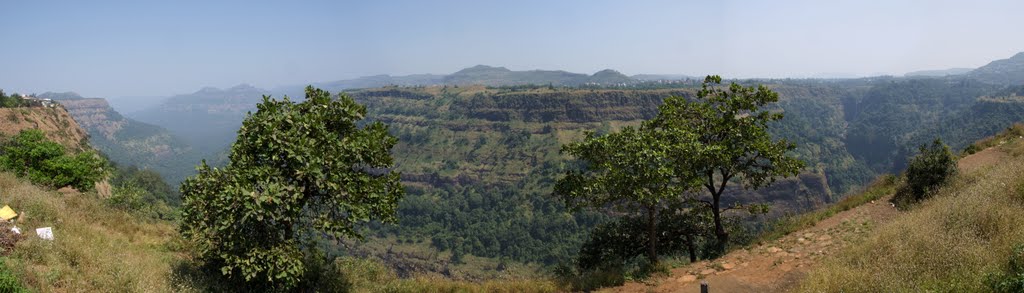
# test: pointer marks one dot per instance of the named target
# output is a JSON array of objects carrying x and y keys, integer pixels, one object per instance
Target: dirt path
[{"x": 778, "y": 266}]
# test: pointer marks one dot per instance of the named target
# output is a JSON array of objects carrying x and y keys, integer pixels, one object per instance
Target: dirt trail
[{"x": 779, "y": 265}]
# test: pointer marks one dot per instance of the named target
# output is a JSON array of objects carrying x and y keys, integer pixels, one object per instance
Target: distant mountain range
[
  {"x": 208, "y": 119},
  {"x": 488, "y": 76}
]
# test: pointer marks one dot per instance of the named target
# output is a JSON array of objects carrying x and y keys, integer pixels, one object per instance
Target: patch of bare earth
[
  {"x": 779, "y": 265},
  {"x": 986, "y": 157}
]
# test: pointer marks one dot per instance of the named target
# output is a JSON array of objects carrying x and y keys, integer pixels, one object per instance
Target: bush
[
  {"x": 1011, "y": 279},
  {"x": 971, "y": 149},
  {"x": 8, "y": 281},
  {"x": 127, "y": 197},
  {"x": 30, "y": 154},
  {"x": 149, "y": 181},
  {"x": 929, "y": 170}
]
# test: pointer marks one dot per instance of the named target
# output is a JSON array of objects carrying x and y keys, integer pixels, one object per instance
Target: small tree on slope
[{"x": 929, "y": 170}]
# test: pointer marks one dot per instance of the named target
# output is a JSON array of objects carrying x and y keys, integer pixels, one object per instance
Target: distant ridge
[
  {"x": 204, "y": 117},
  {"x": 485, "y": 75},
  {"x": 1005, "y": 71}
]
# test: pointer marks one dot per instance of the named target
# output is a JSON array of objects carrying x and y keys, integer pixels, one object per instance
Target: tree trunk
[
  {"x": 723, "y": 236},
  {"x": 691, "y": 247},
  {"x": 652, "y": 235},
  {"x": 716, "y": 209}
]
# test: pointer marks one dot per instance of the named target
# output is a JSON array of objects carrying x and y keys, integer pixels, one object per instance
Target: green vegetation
[
  {"x": 1013, "y": 131},
  {"x": 11, "y": 101},
  {"x": 1011, "y": 278},
  {"x": 628, "y": 170},
  {"x": 731, "y": 142},
  {"x": 297, "y": 172},
  {"x": 478, "y": 163},
  {"x": 31, "y": 155},
  {"x": 8, "y": 281},
  {"x": 614, "y": 245},
  {"x": 933, "y": 166}
]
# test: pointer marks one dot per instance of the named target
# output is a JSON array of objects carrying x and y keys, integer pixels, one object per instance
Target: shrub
[
  {"x": 30, "y": 154},
  {"x": 927, "y": 171},
  {"x": 971, "y": 149},
  {"x": 8, "y": 281},
  {"x": 1011, "y": 279},
  {"x": 127, "y": 197}
]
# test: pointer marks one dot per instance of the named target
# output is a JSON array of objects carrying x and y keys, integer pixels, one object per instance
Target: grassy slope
[
  {"x": 948, "y": 243},
  {"x": 96, "y": 248}
]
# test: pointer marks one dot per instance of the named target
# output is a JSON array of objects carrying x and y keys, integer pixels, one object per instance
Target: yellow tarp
[{"x": 7, "y": 213}]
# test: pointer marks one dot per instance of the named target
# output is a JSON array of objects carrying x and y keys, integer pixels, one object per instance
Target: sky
[{"x": 162, "y": 48}]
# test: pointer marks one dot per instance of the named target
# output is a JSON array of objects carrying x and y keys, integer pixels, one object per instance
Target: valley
[{"x": 475, "y": 159}]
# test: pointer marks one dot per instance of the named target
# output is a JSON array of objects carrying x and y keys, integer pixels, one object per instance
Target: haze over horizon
[{"x": 116, "y": 49}]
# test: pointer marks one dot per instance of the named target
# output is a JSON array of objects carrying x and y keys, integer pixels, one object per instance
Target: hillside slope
[
  {"x": 1004, "y": 71},
  {"x": 784, "y": 264},
  {"x": 55, "y": 122},
  {"x": 950, "y": 243},
  {"x": 96, "y": 247}
]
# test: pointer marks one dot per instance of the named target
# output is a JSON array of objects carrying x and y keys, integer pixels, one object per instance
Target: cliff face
[
  {"x": 95, "y": 114},
  {"x": 130, "y": 142},
  {"x": 56, "y": 122}
]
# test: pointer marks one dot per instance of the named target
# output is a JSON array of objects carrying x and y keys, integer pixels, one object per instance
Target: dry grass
[
  {"x": 946, "y": 244},
  {"x": 97, "y": 249}
]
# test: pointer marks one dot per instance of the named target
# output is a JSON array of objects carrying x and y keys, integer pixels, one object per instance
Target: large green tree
[
  {"x": 732, "y": 141},
  {"x": 626, "y": 170},
  {"x": 297, "y": 172}
]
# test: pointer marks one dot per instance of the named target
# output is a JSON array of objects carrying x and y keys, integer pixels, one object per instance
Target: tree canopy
[
  {"x": 628, "y": 169},
  {"x": 297, "y": 172},
  {"x": 732, "y": 142}
]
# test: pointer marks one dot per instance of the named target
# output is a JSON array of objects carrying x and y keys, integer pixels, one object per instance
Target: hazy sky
[{"x": 142, "y": 48}]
